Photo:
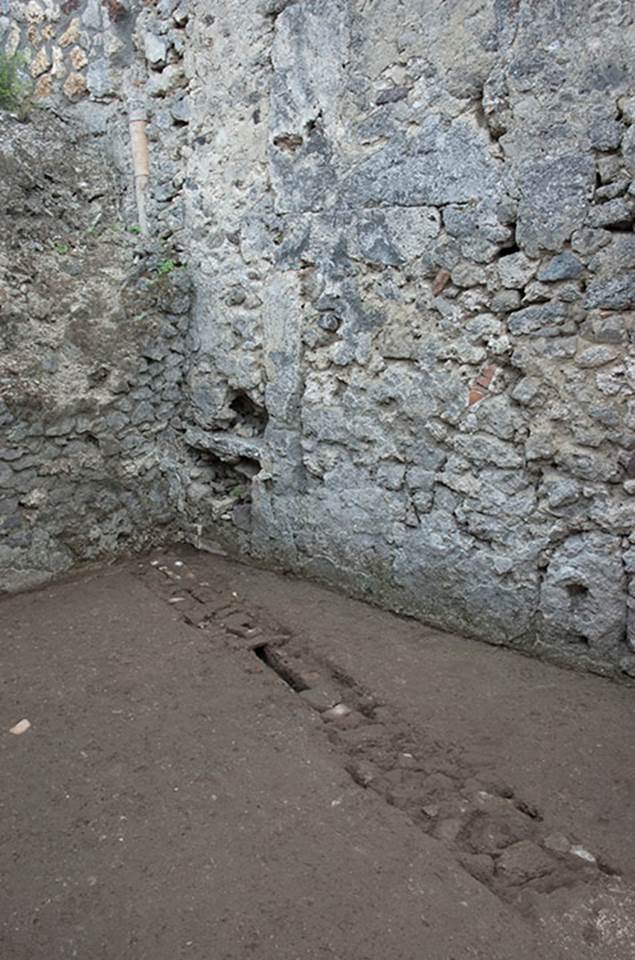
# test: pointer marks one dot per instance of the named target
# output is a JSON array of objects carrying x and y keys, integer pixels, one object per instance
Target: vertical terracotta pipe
[{"x": 141, "y": 160}]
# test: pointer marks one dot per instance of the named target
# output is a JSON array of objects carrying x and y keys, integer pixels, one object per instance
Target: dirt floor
[{"x": 228, "y": 763}]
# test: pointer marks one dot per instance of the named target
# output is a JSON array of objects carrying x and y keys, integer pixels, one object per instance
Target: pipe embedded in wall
[{"x": 141, "y": 160}]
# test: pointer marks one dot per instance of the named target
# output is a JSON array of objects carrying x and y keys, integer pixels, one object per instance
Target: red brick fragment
[
  {"x": 480, "y": 388},
  {"x": 440, "y": 282}
]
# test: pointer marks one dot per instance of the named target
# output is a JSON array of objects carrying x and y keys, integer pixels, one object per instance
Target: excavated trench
[{"x": 502, "y": 839}]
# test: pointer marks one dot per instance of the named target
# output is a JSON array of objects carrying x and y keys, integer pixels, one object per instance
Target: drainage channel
[
  {"x": 498, "y": 837},
  {"x": 277, "y": 662}
]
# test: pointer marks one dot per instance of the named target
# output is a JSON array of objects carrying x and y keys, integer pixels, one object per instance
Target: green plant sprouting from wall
[
  {"x": 166, "y": 267},
  {"x": 14, "y": 89}
]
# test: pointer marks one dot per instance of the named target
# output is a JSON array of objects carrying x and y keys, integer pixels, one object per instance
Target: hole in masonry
[
  {"x": 247, "y": 466},
  {"x": 289, "y": 142},
  {"x": 280, "y": 665},
  {"x": 249, "y": 414},
  {"x": 507, "y": 249},
  {"x": 625, "y": 227},
  {"x": 577, "y": 639},
  {"x": 577, "y": 589}
]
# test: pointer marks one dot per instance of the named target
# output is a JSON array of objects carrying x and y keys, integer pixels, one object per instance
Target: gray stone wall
[
  {"x": 70, "y": 49},
  {"x": 94, "y": 317},
  {"x": 408, "y": 366},
  {"x": 411, "y": 235},
  {"x": 91, "y": 366}
]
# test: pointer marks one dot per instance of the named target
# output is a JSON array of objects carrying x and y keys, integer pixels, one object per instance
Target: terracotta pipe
[{"x": 141, "y": 160}]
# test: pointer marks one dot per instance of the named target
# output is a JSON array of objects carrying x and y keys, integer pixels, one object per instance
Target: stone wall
[
  {"x": 411, "y": 235},
  {"x": 409, "y": 365},
  {"x": 94, "y": 316},
  {"x": 70, "y": 48},
  {"x": 91, "y": 367}
]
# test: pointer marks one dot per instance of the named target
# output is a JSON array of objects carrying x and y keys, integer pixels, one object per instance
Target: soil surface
[{"x": 228, "y": 763}]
